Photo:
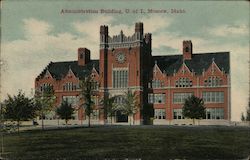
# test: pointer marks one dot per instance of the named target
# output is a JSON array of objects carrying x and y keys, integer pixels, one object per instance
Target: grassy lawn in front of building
[{"x": 145, "y": 142}]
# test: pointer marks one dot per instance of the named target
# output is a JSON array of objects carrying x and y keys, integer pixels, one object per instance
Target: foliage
[
  {"x": 44, "y": 101},
  {"x": 247, "y": 116},
  {"x": 86, "y": 92},
  {"x": 242, "y": 117},
  {"x": 248, "y": 112},
  {"x": 110, "y": 106},
  {"x": 65, "y": 111},
  {"x": 19, "y": 108},
  {"x": 194, "y": 108},
  {"x": 130, "y": 105}
]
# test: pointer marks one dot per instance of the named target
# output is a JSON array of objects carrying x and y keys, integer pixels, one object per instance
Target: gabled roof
[
  {"x": 58, "y": 70},
  {"x": 172, "y": 63}
]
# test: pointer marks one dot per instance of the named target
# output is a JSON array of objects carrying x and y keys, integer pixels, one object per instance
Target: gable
[
  {"x": 183, "y": 70},
  {"x": 59, "y": 70},
  {"x": 199, "y": 62}
]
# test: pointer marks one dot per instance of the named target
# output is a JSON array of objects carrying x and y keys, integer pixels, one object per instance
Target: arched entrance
[{"x": 121, "y": 117}]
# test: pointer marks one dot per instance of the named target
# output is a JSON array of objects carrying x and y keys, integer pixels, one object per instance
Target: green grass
[{"x": 146, "y": 142}]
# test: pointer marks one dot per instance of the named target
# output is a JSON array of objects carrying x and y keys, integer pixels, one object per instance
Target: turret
[
  {"x": 139, "y": 30},
  {"x": 104, "y": 34}
]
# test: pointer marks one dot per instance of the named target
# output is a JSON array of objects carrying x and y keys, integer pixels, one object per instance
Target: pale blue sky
[{"x": 35, "y": 33}]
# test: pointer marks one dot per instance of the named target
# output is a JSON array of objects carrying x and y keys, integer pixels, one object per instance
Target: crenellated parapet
[{"x": 123, "y": 41}]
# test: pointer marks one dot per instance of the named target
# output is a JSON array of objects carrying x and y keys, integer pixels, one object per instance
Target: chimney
[
  {"x": 187, "y": 50},
  {"x": 83, "y": 56}
]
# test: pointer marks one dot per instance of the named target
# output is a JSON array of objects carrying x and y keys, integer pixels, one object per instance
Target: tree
[
  {"x": 194, "y": 108},
  {"x": 111, "y": 106},
  {"x": 86, "y": 92},
  {"x": 19, "y": 108},
  {"x": 130, "y": 106},
  {"x": 247, "y": 116},
  {"x": 243, "y": 117},
  {"x": 44, "y": 101},
  {"x": 248, "y": 112},
  {"x": 65, "y": 111}
]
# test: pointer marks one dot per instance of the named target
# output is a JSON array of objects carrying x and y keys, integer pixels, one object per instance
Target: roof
[
  {"x": 168, "y": 64},
  {"x": 200, "y": 61},
  {"x": 58, "y": 70}
]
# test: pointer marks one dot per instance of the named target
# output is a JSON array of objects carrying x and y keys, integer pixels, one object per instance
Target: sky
[{"x": 33, "y": 33}]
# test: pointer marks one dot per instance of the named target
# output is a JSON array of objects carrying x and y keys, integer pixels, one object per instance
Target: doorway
[{"x": 121, "y": 117}]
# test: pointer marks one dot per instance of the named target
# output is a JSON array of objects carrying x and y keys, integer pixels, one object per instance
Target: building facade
[{"x": 161, "y": 83}]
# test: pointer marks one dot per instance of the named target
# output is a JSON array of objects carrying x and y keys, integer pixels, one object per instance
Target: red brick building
[{"x": 162, "y": 83}]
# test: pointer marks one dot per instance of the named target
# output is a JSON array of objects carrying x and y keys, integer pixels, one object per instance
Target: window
[
  {"x": 213, "y": 97},
  {"x": 183, "y": 82},
  {"x": 213, "y": 82},
  {"x": 120, "y": 78},
  {"x": 73, "y": 100},
  {"x": 69, "y": 86},
  {"x": 177, "y": 114},
  {"x": 119, "y": 100},
  {"x": 149, "y": 85},
  {"x": 160, "y": 114},
  {"x": 75, "y": 116},
  {"x": 181, "y": 97},
  {"x": 150, "y": 98},
  {"x": 158, "y": 98},
  {"x": 45, "y": 87},
  {"x": 214, "y": 113},
  {"x": 157, "y": 84},
  {"x": 186, "y": 49},
  {"x": 95, "y": 114},
  {"x": 94, "y": 85},
  {"x": 95, "y": 99}
]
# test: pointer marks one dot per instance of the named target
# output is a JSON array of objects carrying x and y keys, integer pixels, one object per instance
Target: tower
[
  {"x": 103, "y": 55},
  {"x": 124, "y": 61}
]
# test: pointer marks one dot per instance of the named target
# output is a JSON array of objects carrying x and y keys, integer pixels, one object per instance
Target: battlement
[
  {"x": 123, "y": 41},
  {"x": 122, "y": 38}
]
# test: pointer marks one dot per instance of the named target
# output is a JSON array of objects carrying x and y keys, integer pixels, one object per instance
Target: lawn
[{"x": 120, "y": 142}]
